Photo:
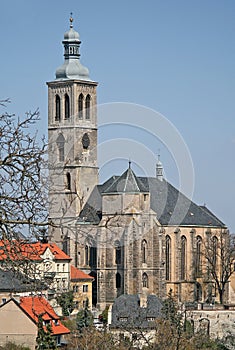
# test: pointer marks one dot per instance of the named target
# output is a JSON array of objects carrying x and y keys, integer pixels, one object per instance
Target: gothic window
[
  {"x": 118, "y": 254},
  {"x": 183, "y": 257},
  {"x": 93, "y": 255},
  {"x": 198, "y": 262},
  {"x": 88, "y": 106},
  {"x": 168, "y": 258},
  {"x": 60, "y": 145},
  {"x": 214, "y": 250},
  {"x": 85, "y": 141},
  {"x": 145, "y": 280},
  {"x": 68, "y": 181},
  {"x": 80, "y": 106},
  {"x": 144, "y": 251},
  {"x": 118, "y": 280},
  {"x": 66, "y": 107},
  {"x": 57, "y": 108}
]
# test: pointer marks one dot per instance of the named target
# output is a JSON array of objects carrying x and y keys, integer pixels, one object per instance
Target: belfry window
[
  {"x": 145, "y": 280},
  {"x": 86, "y": 255},
  {"x": 198, "y": 262},
  {"x": 144, "y": 251},
  {"x": 168, "y": 258},
  {"x": 66, "y": 107},
  {"x": 118, "y": 255},
  {"x": 57, "y": 108},
  {"x": 60, "y": 145},
  {"x": 80, "y": 106},
  {"x": 88, "y": 106},
  {"x": 183, "y": 258}
]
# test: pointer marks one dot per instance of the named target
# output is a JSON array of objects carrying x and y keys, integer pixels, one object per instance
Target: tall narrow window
[
  {"x": 168, "y": 258},
  {"x": 198, "y": 262},
  {"x": 57, "y": 108},
  {"x": 118, "y": 280},
  {"x": 68, "y": 181},
  {"x": 144, "y": 251},
  {"x": 93, "y": 256},
  {"x": 214, "y": 250},
  {"x": 80, "y": 106},
  {"x": 183, "y": 257},
  {"x": 66, "y": 107},
  {"x": 145, "y": 280},
  {"x": 88, "y": 106},
  {"x": 118, "y": 255},
  {"x": 60, "y": 145},
  {"x": 86, "y": 255}
]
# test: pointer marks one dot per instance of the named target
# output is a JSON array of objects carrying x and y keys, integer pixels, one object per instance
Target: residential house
[
  {"x": 40, "y": 261},
  {"x": 19, "y": 320},
  {"x": 81, "y": 285}
]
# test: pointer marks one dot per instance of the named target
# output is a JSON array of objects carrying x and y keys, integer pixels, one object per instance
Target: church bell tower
[{"x": 72, "y": 134}]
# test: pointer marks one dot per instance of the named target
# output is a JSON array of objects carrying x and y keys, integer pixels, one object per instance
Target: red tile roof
[
  {"x": 35, "y": 306},
  {"x": 19, "y": 250},
  {"x": 76, "y": 274}
]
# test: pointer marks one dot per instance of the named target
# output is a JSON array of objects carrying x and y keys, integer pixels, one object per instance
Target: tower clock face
[{"x": 85, "y": 141}]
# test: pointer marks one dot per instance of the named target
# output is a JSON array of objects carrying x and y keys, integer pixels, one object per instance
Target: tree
[
  {"x": 65, "y": 300},
  {"x": 22, "y": 198},
  {"x": 45, "y": 340},
  {"x": 219, "y": 255},
  {"x": 84, "y": 318}
]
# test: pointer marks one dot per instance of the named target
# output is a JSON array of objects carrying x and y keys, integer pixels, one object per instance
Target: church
[{"x": 133, "y": 234}]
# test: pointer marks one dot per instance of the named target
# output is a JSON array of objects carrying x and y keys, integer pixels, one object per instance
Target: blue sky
[{"x": 175, "y": 57}]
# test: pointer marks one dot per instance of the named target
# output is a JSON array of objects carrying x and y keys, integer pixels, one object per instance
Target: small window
[
  {"x": 85, "y": 141},
  {"x": 4, "y": 300},
  {"x": 145, "y": 280},
  {"x": 88, "y": 106},
  {"x": 118, "y": 280},
  {"x": 63, "y": 267},
  {"x": 85, "y": 288},
  {"x": 60, "y": 145},
  {"x": 68, "y": 181},
  {"x": 66, "y": 107},
  {"x": 58, "y": 267}
]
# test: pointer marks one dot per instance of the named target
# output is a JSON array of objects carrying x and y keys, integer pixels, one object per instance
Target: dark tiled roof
[
  {"x": 11, "y": 281},
  {"x": 171, "y": 206},
  {"x": 128, "y": 182},
  {"x": 126, "y": 311}
]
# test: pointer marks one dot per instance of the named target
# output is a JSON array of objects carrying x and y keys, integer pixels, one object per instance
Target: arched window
[
  {"x": 214, "y": 250},
  {"x": 183, "y": 257},
  {"x": 57, "y": 108},
  {"x": 80, "y": 106},
  {"x": 145, "y": 281},
  {"x": 88, "y": 106},
  {"x": 118, "y": 280},
  {"x": 66, "y": 107},
  {"x": 168, "y": 258},
  {"x": 198, "y": 262},
  {"x": 60, "y": 145},
  {"x": 68, "y": 181},
  {"x": 144, "y": 250}
]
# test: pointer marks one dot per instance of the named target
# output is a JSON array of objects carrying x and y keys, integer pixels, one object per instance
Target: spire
[
  {"x": 159, "y": 169},
  {"x": 72, "y": 67}
]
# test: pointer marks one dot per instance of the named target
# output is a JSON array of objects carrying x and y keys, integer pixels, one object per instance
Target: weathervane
[{"x": 71, "y": 19}]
